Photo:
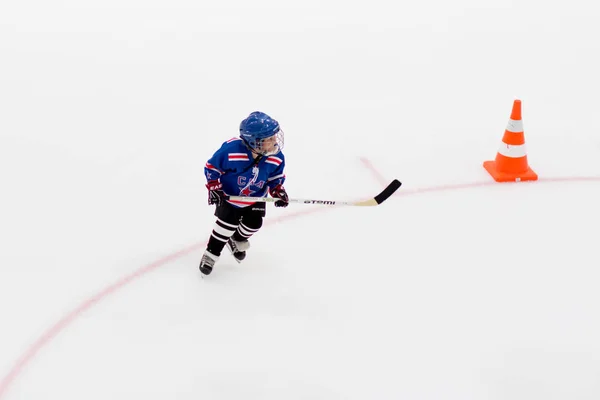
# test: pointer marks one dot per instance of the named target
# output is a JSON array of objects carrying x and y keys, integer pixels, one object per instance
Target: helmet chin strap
[{"x": 254, "y": 152}]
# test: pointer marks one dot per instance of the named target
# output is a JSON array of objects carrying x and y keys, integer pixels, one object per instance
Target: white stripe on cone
[
  {"x": 514, "y": 126},
  {"x": 512, "y": 151}
]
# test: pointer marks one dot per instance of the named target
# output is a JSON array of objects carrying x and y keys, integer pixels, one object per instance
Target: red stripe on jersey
[
  {"x": 274, "y": 160},
  {"x": 210, "y": 166},
  {"x": 233, "y": 139},
  {"x": 241, "y": 203},
  {"x": 280, "y": 176},
  {"x": 238, "y": 157}
]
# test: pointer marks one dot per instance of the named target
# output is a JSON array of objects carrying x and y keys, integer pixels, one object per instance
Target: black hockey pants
[{"x": 241, "y": 223}]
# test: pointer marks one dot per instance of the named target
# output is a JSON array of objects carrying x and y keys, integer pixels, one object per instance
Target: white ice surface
[{"x": 109, "y": 110}]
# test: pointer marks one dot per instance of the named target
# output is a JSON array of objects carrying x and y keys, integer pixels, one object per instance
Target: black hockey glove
[
  {"x": 280, "y": 193},
  {"x": 215, "y": 192}
]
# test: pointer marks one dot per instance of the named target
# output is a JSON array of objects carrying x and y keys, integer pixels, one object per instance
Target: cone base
[{"x": 498, "y": 176}]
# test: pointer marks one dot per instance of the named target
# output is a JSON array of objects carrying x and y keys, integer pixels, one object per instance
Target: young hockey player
[{"x": 249, "y": 165}]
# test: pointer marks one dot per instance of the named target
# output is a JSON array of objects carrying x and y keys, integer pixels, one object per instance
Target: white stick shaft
[
  {"x": 301, "y": 201},
  {"x": 380, "y": 198}
]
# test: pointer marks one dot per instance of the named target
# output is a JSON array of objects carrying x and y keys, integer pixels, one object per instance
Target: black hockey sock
[
  {"x": 222, "y": 231},
  {"x": 215, "y": 246},
  {"x": 237, "y": 237}
]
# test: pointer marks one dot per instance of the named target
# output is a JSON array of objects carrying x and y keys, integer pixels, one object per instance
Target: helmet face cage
[{"x": 270, "y": 145}]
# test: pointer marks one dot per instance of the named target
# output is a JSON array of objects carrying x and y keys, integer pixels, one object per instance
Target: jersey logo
[{"x": 246, "y": 191}]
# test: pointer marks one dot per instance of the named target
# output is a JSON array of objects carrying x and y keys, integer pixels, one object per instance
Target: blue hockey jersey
[{"x": 234, "y": 166}]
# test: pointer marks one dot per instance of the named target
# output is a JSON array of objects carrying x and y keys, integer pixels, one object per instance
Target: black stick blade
[{"x": 388, "y": 191}]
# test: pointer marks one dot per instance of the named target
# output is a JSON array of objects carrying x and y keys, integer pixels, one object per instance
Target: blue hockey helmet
[{"x": 256, "y": 128}]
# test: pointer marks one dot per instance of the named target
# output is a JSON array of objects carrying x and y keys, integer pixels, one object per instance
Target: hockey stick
[{"x": 375, "y": 201}]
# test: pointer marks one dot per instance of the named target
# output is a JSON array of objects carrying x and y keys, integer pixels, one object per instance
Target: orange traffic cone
[{"x": 511, "y": 160}]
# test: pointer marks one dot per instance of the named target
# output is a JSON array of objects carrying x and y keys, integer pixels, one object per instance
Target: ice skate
[
  {"x": 238, "y": 249},
  {"x": 208, "y": 262}
]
